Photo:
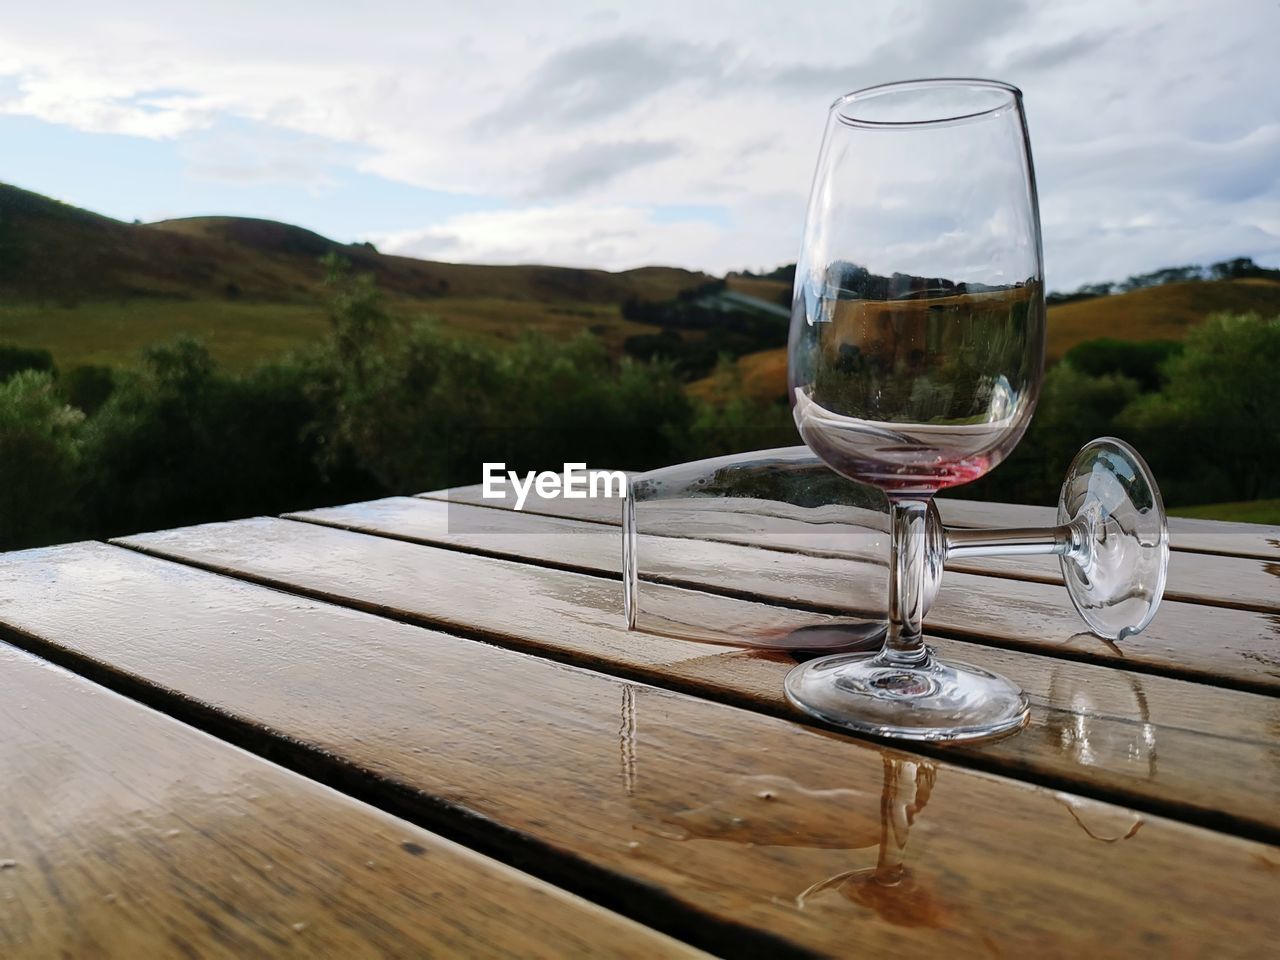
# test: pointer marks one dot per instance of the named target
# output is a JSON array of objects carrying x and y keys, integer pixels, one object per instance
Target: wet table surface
[{"x": 418, "y": 727}]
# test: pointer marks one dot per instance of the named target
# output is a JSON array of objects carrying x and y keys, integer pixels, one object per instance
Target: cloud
[
  {"x": 1152, "y": 124},
  {"x": 1047, "y": 56},
  {"x": 597, "y": 164},
  {"x": 573, "y": 234},
  {"x": 615, "y": 238},
  {"x": 604, "y": 77},
  {"x": 251, "y": 154}
]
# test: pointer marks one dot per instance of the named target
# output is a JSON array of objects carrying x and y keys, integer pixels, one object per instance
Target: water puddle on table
[{"x": 767, "y": 810}]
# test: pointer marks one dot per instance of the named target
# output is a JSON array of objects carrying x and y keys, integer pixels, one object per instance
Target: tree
[
  {"x": 1211, "y": 430},
  {"x": 39, "y": 457},
  {"x": 1142, "y": 361},
  {"x": 179, "y": 442}
]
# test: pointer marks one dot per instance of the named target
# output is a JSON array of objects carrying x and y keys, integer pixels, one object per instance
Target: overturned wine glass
[{"x": 756, "y": 549}]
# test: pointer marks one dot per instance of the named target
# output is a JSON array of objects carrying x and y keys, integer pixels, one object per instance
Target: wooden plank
[
  {"x": 1092, "y": 727},
  {"x": 1199, "y": 536},
  {"x": 720, "y": 812},
  {"x": 1244, "y": 652},
  {"x": 125, "y": 833}
]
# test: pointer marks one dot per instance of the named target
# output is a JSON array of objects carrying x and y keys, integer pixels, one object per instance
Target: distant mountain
[
  {"x": 53, "y": 252},
  {"x": 93, "y": 290}
]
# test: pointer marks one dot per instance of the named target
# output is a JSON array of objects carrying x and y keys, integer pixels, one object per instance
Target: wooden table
[{"x": 368, "y": 730}]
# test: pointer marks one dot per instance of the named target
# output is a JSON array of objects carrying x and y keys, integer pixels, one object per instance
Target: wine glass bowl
[{"x": 917, "y": 337}]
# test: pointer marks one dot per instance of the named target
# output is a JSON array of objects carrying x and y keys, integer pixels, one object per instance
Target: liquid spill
[
  {"x": 1100, "y": 821},
  {"x": 769, "y": 810},
  {"x": 891, "y": 888},
  {"x": 776, "y": 811},
  {"x": 897, "y": 898}
]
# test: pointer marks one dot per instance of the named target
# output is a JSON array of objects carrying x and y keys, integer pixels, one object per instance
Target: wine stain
[{"x": 891, "y": 888}]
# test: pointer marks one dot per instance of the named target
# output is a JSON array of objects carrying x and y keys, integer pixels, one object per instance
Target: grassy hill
[
  {"x": 1155, "y": 313},
  {"x": 96, "y": 290}
]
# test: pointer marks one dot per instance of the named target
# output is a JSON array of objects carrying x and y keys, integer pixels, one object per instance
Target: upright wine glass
[{"x": 915, "y": 360}]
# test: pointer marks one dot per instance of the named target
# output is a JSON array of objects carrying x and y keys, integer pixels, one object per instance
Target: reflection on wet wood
[
  {"x": 125, "y": 833},
  {"x": 653, "y": 790},
  {"x": 1089, "y": 729},
  {"x": 1219, "y": 646}
]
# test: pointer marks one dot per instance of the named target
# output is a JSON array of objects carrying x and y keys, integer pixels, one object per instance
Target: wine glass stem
[
  {"x": 1070, "y": 539},
  {"x": 905, "y": 643}
]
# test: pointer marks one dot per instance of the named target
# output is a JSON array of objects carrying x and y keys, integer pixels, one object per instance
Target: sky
[{"x": 617, "y": 135}]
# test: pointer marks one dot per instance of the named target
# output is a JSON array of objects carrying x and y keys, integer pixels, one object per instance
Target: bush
[
  {"x": 426, "y": 410},
  {"x": 1210, "y": 433},
  {"x": 1142, "y": 361},
  {"x": 179, "y": 443},
  {"x": 39, "y": 456}
]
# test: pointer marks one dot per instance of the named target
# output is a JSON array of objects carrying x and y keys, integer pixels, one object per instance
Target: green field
[
  {"x": 239, "y": 335},
  {"x": 1246, "y": 511},
  {"x": 242, "y": 334}
]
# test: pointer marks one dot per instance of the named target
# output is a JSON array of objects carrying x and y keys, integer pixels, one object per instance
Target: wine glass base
[
  {"x": 932, "y": 701},
  {"x": 1117, "y": 577}
]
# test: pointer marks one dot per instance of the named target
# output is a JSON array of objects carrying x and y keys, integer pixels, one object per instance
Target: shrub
[
  {"x": 1142, "y": 361},
  {"x": 39, "y": 456},
  {"x": 1210, "y": 433}
]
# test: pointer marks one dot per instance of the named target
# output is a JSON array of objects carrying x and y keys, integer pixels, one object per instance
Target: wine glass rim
[{"x": 1014, "y": 96}]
